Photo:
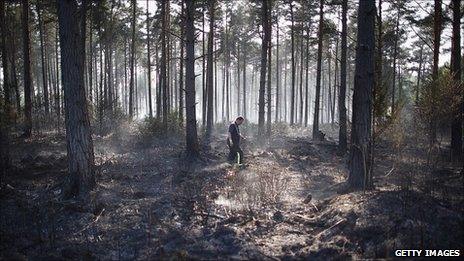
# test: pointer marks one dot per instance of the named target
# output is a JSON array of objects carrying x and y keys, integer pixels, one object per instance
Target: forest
[{"x": 231, "y": 129}]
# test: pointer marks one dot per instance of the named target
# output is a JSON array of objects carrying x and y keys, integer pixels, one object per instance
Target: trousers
[{"x": 235, "y": 151}]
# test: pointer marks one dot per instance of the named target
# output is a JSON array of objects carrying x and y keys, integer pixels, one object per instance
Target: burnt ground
[{"x": 289, "y": 201}]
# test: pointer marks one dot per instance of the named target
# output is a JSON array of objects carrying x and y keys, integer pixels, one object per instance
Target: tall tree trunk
[
  {"x": 209, "y": 85},
  {"x": 395, "y": 54},
  {"x": 300, "y": 119},
  {"x": 244, "y": 80},
  {"x": 318, "y": 72},
  {"x": 5, "y": 66},
  {"x": 191, "y": 127},
  {"x": 238, "y": 78},
  {"x": 419, "y": 73},
  {"x": 437, "y": 27},
  {"x": 181, "y": 68},
  {"x": 278, "y": 72},
  {"x": 203, "y": 73},
  {"x": 285, "y": 89},
  {"x": 42, "y": 54},
  {"x": 308, "y": 104},
  {"x": 132, "y": 62},
  {"x": 57, "y": 72},
  {"x": 292, "y": 32},
  {"x": 227, "y": 60},
  {"x": 28, "y": 88},
  {"x": 262, "y": 81},
  {"x": 4, "y": 117},
  {"x": 150, "y": 106},
  {"x": 456, "y": 124},
  {"x": 342, "y": 139},
  {"x": 360, "y": 176},
  {"x": 90, "y": 68},
  {"x": 215, "y": 83},
  {"x": 160, "y": 84},
  {"x": 269, "y": 74},
  {"x": 78, "y": 137},
  {"x": 164, "y": 62}
]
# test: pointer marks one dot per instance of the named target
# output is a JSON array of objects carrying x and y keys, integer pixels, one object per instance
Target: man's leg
[
  {"x": 240, "y": 152},
  {"x": 232, "y": 154}
]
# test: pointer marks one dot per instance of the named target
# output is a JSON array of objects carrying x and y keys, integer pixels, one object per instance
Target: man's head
[{"x": 239, "y": 120}]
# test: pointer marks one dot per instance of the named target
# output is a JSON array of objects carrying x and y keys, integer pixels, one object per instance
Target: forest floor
[{"x": 289, "y": 201}]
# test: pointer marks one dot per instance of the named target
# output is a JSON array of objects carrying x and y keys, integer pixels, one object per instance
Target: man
[{"x": 233, "y": 140}]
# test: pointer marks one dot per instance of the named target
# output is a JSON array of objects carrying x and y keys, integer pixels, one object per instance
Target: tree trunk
[
  {"x": 395, "y": 54},
  {"x": 150, "y": 106},
  {"x": 300, "y": 119},
  {"x": 181, "y": 69},
  {"x": 4, "y": 117},
  {"x": 7, "y": 84},
  {"x": 278, "y": 72},
  {"x": 209, "y": 85},
  {"x": 42, "y": 54},
  {"x": 132, "y": 62},
  {"x": 203, "y": 74},
  {"x": 308, "y": 104},
  {"x": 342, "y": 139},
  {"x": 419, "y": 73},
  {"x": 456, "y": 124},
  {"x": 28, "y": 88},
  {"x": 78, "y": 137},
  {"x": 191, "y": 127},
  {"x": 318, "y": 72},
  {"x": 292, "y": 32},
  {"x": 244, "y": 80},
  {"x": 90, "y": 69},
  {"x": 238, "y": 78},
  {"x": 437, "y": 27},
  {"x": 360, "y": 176},
  {"x": 262, "y": 81},
  {"x": 269, "y": 74}
]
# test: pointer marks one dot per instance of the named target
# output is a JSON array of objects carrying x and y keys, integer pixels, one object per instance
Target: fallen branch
[
  {"x": 334, "y": 225},
  {"x": 91, "y": 223},
  {"x": 390, "y": 172},
  {"x": 209, "y": 215}
]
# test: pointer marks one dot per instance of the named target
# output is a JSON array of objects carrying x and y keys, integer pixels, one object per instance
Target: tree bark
[
  {"x": 262, "y": 81},
  {"x": 43, "y": 62},
  {"x": 28, "y": 88},
  {"x": 269, "y": 74},
  {"x": 360, "y": 176},
  {"x": 307, "y": 107},
  {"x": 78, "y": 137},
  {"x": 278, "y": 72},
  {"x": 7, "y": 83},
  {"x": 191, "y": 127},
  {"x": 150, "y": 106},
  {"x": 456, "y": 124},
  {"x": 4, "y": 117},
  {"x": 292, "y": 32},
  {"x": 209, "y": 84},
  {"x": 132, "y": 62},
  {"x": 318, "y": 72},
  {"x": 342, "y": 139},
  {"x": 181, "y": 68},
  {"x": 203, "y": 74},
  {"x": 244, "y": 80},
  {"x": 419, "y": 73},
  {"x": 238, "y": 79},
  {"x": 302, "y": 57},
  {"x": 395, "y": 54},
  {"x": 437, "y": 27}
]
